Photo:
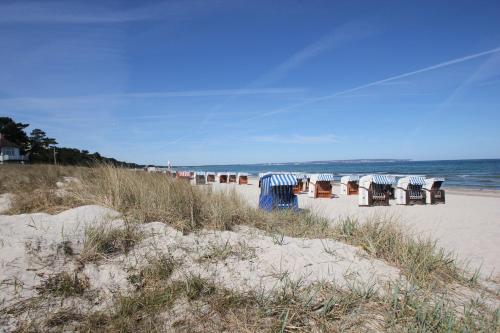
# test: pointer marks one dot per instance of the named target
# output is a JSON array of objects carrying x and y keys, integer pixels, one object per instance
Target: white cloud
[{"x": 296, "y": 139}]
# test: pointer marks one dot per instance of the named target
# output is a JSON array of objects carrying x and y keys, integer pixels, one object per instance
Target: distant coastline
[{"x": 468, "y": 174}]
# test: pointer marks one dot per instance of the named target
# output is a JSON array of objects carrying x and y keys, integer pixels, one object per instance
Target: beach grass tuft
[
  {"x": 105, "y": 240},
  {"x": 64, "y": 285}
]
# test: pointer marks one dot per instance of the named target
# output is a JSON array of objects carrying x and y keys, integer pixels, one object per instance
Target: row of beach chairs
[
  {"x": 279, "y": 190},
  {"x": 202, "y": 178}
]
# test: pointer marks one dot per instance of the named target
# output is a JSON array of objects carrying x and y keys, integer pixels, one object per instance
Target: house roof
[{"x": 6, "y": 143}]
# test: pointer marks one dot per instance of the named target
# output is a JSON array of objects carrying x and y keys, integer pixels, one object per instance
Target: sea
[{"x": 473, "y": 174}]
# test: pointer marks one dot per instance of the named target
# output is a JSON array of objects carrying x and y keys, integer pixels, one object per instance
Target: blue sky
[{"x": 216, "y": 82}]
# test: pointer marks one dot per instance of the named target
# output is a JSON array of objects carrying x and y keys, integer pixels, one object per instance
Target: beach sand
[{"x": 468, "y": 224}]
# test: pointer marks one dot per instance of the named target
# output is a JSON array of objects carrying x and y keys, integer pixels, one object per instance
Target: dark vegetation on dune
[{"x": 39, "y": 148}]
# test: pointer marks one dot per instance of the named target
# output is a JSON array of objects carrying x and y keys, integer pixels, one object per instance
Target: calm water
[{"x": 483, "y": 174}]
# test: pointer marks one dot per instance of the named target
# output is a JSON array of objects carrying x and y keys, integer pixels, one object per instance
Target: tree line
[{"x": 39, "y": 148}]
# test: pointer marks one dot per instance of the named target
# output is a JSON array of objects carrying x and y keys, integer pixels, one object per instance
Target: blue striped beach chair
[{"x": 276, "y": 192}]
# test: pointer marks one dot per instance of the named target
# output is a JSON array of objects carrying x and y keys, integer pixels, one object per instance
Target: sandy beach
[{"x": 468, "y": 224}]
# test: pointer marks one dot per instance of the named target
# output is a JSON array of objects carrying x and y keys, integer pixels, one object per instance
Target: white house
[{"x": 10, "y": 152}]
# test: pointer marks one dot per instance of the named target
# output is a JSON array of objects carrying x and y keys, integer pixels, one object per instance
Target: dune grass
[
  {"x": 420, "y": 258},
  {"x": 64, "y": 285},
  {"x": 34, "y": 187},
  {"x": 196, "y": 304},
  {"x": 146, "y": 197},
  {"x": 104, "y": 240}
]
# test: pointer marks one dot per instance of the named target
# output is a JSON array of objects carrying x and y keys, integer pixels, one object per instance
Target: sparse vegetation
[
  {"x": 292, "y": 307},
  {"x": 421, "y": 259},
  {"x": 65, "y": 248},
  {"x": 158, "y": 270},
  {"x": 216, "y": 251},
  {"x": 64, "y": 285},
  {"x": 104, "y": 240}
]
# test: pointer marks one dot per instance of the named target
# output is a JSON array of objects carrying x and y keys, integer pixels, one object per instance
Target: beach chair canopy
[
  {"x": 411, "y": 180},
  {"x": 272, "y": 180},
  {"x": 209, "y": 173},
  {"x": 378, "y": 179},
  {"x": 222, "y": 174},
  {"x": 300, "y": 176},
  {"x": 429, "y": 182},
  {"x": 349, "y": 178},
  {"x": 322, "y": 177},
  {"x": 199, "y": 173},
  {"x": 414, "y": 180},
  {"x": 231, "y": 173},
  {"x": 283, "y": 180},
  {"x": 242, "y": 174}
]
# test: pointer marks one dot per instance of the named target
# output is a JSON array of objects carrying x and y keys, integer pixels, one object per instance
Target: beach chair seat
[
  {"x": 321, "y": 186},
  {"x": 416, "y": 193},
  {"x": 379, "y": 192}
]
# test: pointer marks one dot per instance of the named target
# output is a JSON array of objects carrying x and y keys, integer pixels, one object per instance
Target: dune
[{"x": 32, "y": 250}]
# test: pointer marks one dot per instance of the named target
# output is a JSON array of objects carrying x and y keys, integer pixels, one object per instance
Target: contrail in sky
[{"x": 374, "y": 83}]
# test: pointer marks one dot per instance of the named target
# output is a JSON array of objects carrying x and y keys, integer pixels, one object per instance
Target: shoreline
[{"x": 482, "y": 192}]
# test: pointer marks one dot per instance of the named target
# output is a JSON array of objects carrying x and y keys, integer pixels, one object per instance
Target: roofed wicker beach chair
[
  {"x": 349, "y": 185},
  {"x": 242, "y": 178},
  {"x": 276, "y": 192},
  {"x": 433, "y": 192},
  {"x": 199, "y": 178},
  {"x": 300, "y": 182},
  {"x": 210, "y": 177},
  {"x": 409, "y": 190},
  {"x": 231, "y": 177},
  {"x": 222, "y": 177},
  {"x": 375, "y": 190},
  {"x": 320, "y": 185}
]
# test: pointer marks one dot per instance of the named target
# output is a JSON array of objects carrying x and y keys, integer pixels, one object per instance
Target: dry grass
[
  {"x": 147, "y": 197},
  {"x": 216, "y": 252},
  {"x": 198, "y": 305},
  {"x": 34, "y": 187},
  {"x": 105, "y": 240},
  {"x": 64, "y": 285},
  {"x": 421, "y": 260}
]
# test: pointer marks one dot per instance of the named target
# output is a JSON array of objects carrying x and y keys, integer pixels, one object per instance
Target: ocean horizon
[{"x": 469, "y": 173}]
